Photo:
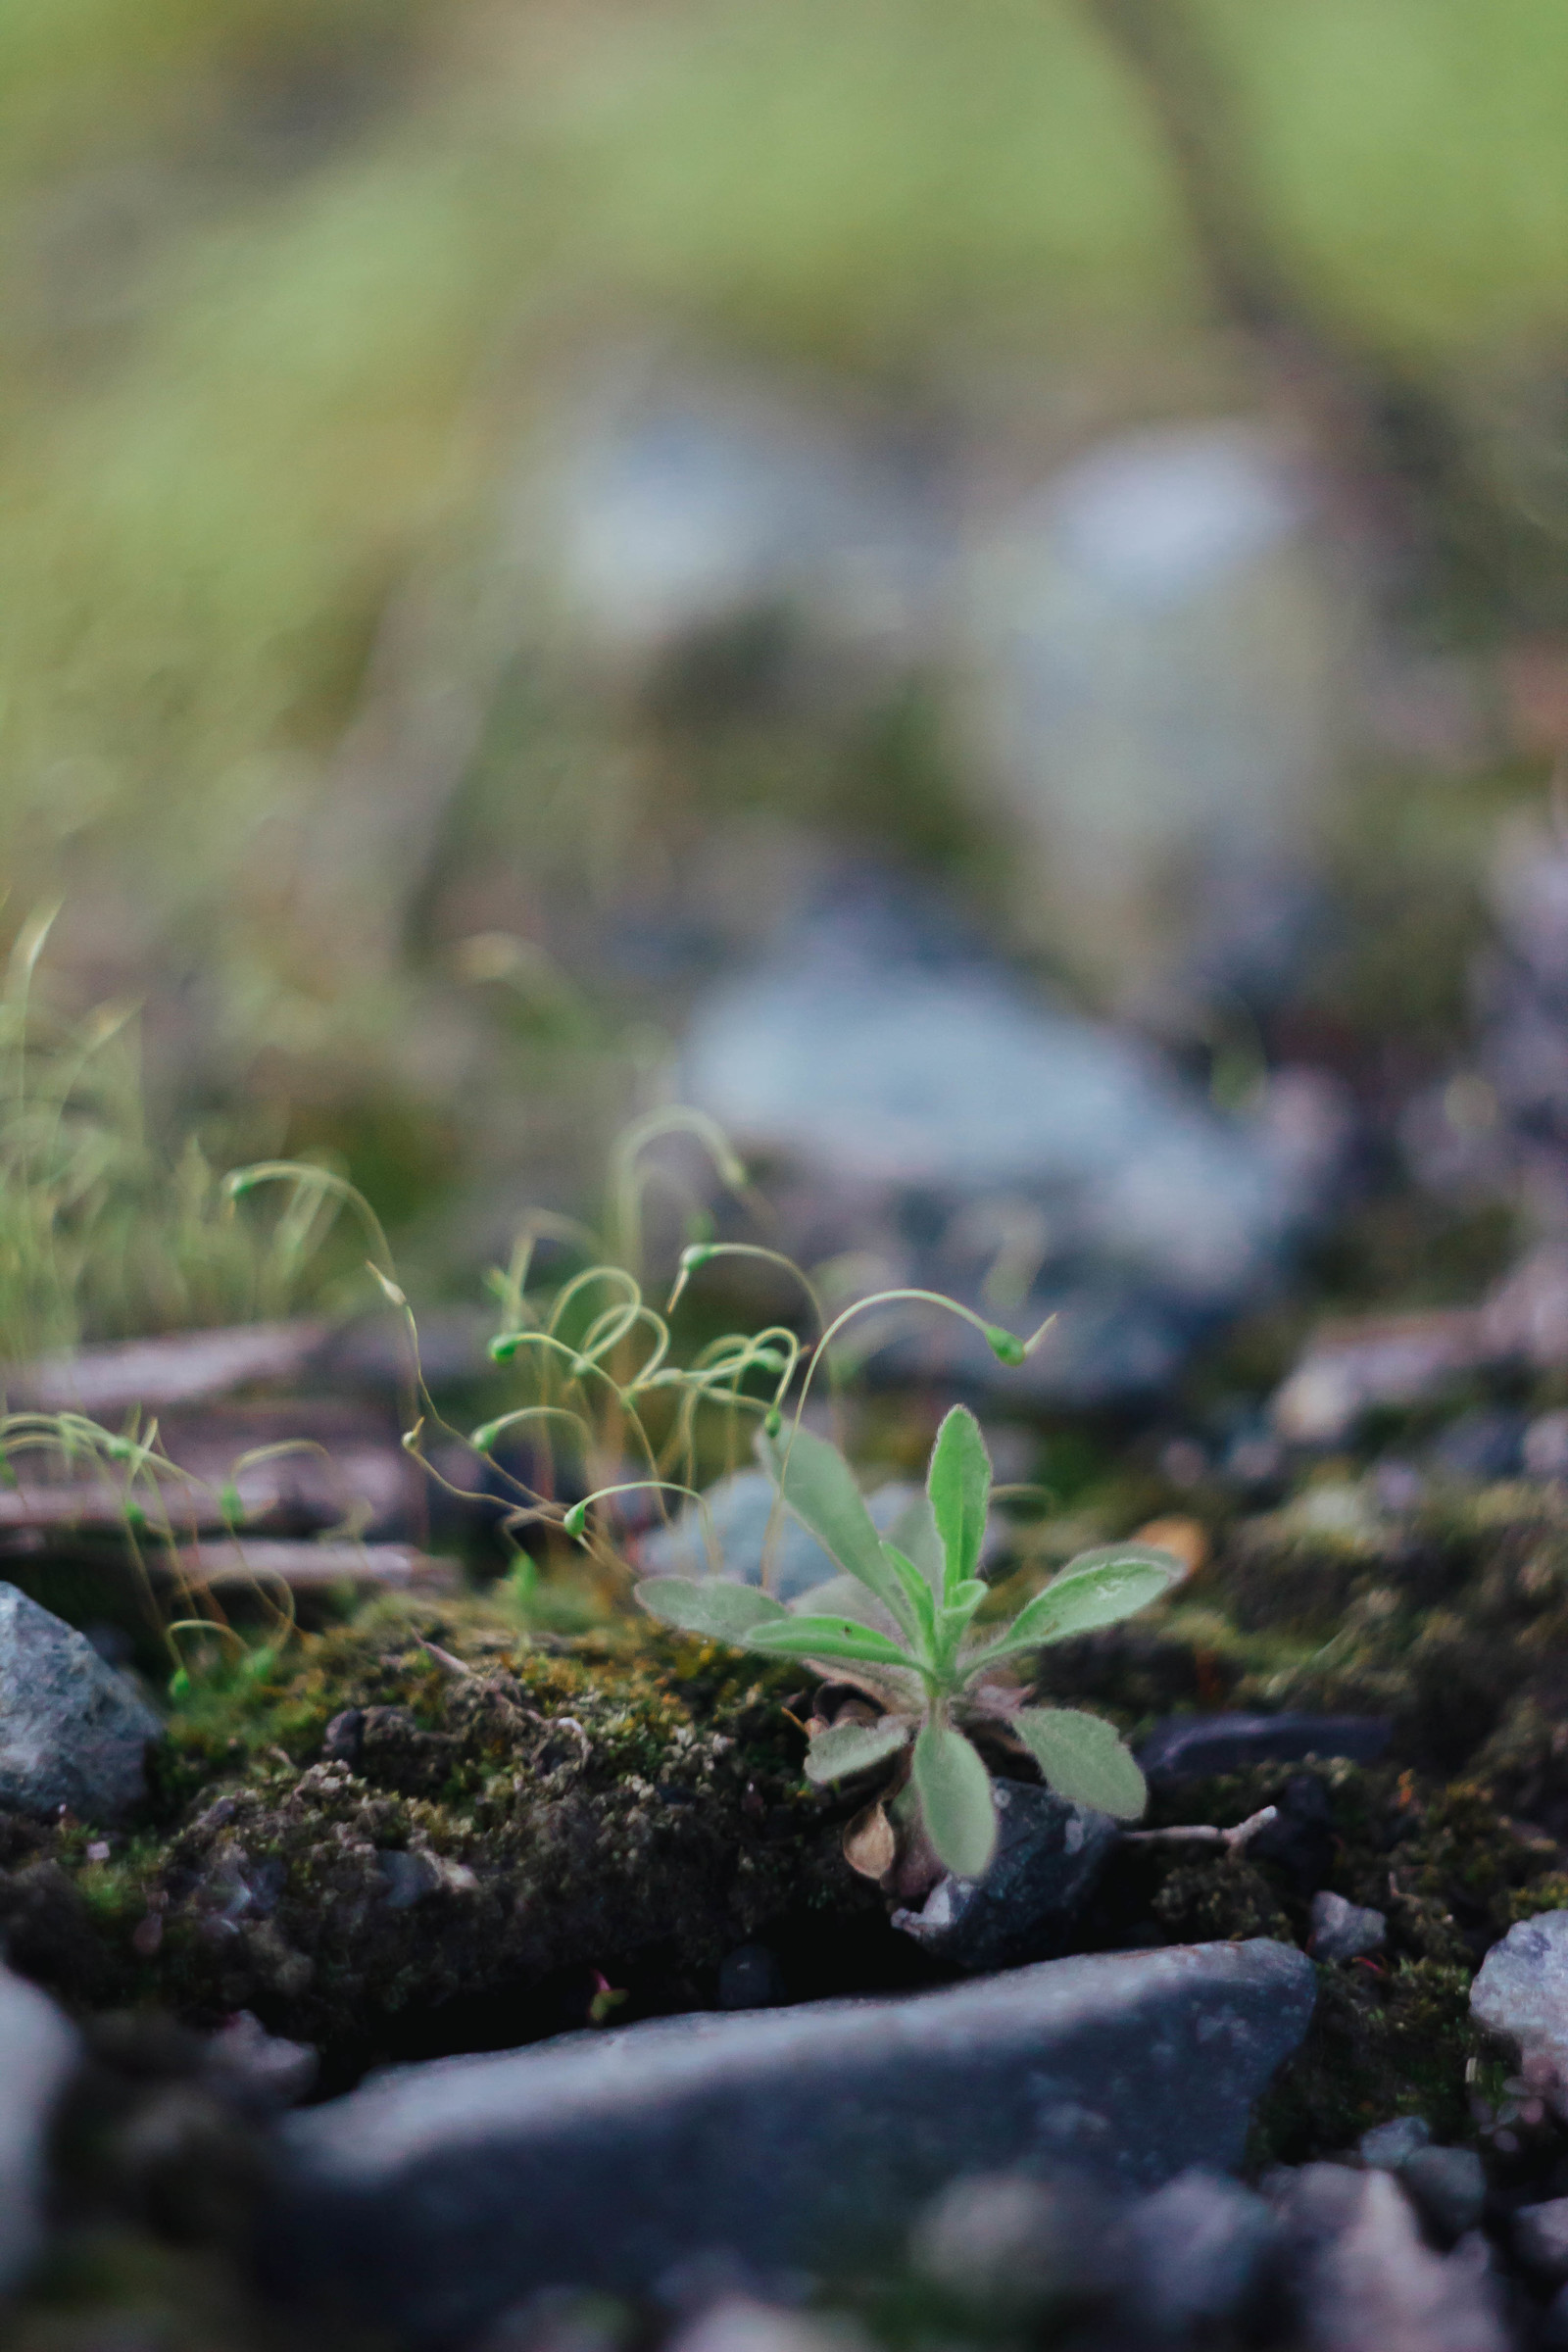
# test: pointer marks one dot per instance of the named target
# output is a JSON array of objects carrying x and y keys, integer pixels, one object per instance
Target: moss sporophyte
[{"x": 901, "y": 1620}]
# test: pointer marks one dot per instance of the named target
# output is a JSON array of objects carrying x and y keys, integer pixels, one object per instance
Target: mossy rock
[{"x": 382, "y": 1849}]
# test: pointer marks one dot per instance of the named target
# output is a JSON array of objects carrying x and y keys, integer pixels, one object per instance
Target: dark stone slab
[
  {"x": 1192, "y": 1746},
  {"x": 1050, "y": 1854},
  {"x": 783, "y": 2140}
]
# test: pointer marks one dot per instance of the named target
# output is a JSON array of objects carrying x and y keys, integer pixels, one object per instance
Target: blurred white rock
[{"x": 1158, "y": 655}]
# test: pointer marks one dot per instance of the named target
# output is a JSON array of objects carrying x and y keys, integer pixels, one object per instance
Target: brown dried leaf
[
  {"x": 871, "y": 1845},
  {"x": 1185, "y": 1538}
]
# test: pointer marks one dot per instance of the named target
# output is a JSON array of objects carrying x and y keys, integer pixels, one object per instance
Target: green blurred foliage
[{"x": 281, "y": 277}]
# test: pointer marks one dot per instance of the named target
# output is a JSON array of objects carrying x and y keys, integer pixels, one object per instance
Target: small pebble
[
  {"x": 1449, "y": 2184},
  {"x": 1343, "y": 1931},
  {"x": 1198, "y": 2252},
  {"x": 1007, "y": 2244},
  {"x": 1540, "y": 2238},
  {"x": 1388, "y": 2148}
]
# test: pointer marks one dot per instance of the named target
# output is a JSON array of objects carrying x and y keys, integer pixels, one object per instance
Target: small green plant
[{"x": 904, "y": 1623}]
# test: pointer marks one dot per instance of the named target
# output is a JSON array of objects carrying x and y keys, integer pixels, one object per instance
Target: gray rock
[
  {"x": 806, "y": 2139},
  {"x": 1050, "y": 1855},
  {"x": 72, "y": 1732},
  {"x": 262, "y": 2071},
  {"x": 38, "y": 2054},
  {"x": 1540, "y": 2238},
  {"x": 1192, "y": 1746},
  {"x": 1343, "y": 1930},
  {"x": 745, "y": 1522},
  {"x": 1365, "y": 2282},
  {"x": 1009, "y": 2245},
  {"x": 1449, "y": 2184},
  {"x": 1520, "y": 1994},
  {"x": 1199, "y": 2252},
  {"x": 1388, "y": 2148},
  {"x": 737, "y": 2324}
]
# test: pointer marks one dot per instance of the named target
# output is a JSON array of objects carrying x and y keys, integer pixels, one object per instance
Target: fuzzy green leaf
[
  {"x": 853, "y": 1747},
  {"x": 715, "y": 1607},
  {"x": 1084, "y": 1759},
  {"x": 789, "y": 1637},
  {"x": 818, "y": 1490},
  {"x": 959, "y": 1483},
  {"x": 1097, "y": 1589},
  {"x": 914, "y": 1531},
  {"x": 957, "y": 1805},
  {"x": 921, "y": 1611}
]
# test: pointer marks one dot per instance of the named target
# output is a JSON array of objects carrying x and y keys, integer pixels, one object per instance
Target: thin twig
[{"x": 1204, "y": 1833}]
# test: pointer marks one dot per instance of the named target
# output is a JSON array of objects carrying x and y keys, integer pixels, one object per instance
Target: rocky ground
[{"x": 432, "y": 1830}]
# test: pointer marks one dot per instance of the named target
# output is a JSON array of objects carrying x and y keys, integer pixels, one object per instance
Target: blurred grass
[{"x": 286, "y": 281}]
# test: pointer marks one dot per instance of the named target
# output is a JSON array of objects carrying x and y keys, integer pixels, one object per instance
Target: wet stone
[
  {"x": 73, "y": 1731},
  {"x": 1050, "y": 1855},
  {"x": 437, "y": 2196}
]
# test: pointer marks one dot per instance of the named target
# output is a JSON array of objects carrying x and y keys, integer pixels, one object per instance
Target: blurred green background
[{"x": 290, "y": 286}]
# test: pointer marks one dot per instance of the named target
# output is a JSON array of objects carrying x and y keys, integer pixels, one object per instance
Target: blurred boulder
[
  {"x": 683, "y": 509},
  {"x": 744, "y": 1531},
  {"x": 1160, "y": 653},
  {"x": 38, "y": 2054},
  {"x": 924, "y": 1119}
]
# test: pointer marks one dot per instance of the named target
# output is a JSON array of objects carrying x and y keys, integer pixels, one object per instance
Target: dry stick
[{"x": 1204, "y": 1833}]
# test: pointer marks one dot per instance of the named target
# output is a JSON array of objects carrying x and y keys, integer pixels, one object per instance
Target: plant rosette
[{"x": 897, "y": 1623}]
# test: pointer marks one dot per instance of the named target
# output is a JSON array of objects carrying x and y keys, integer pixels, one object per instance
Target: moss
[
  {"x": 481, "y": 1833},
  {"x": 1381, "y": 2044}
]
